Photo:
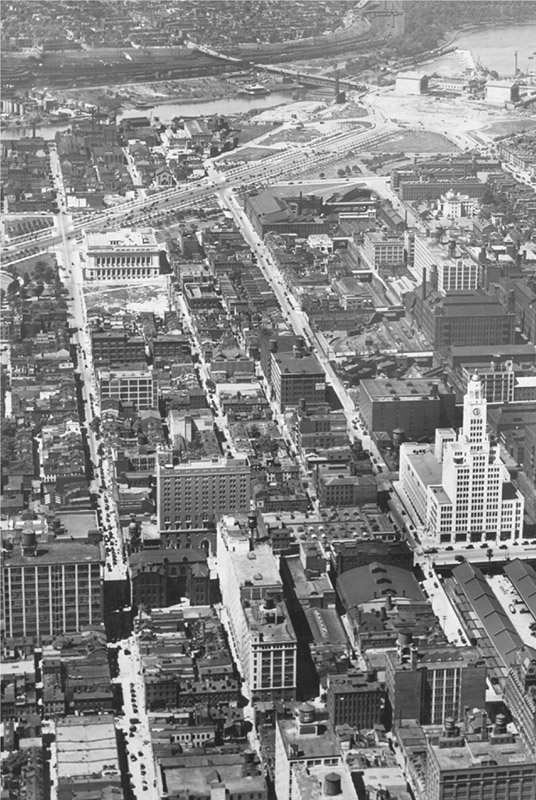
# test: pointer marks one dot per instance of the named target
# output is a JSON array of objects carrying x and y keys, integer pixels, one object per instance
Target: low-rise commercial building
[
  {"x": 379, "y": 248},
  {"x": 135, "y": 385},
  {"x": 355, "y": 699}
]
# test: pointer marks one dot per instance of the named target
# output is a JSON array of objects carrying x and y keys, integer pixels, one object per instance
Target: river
[
  {"x": 494, "y": 48},
  {"x": 227, "y": 106}
]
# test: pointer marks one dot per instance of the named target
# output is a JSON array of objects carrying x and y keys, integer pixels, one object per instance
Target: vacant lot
[
  {"x": 416, "y": 142},
  {"x": 120, "y": 300}
]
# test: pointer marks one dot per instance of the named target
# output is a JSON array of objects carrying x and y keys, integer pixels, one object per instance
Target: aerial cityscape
[{"x": 268, "y": 400}]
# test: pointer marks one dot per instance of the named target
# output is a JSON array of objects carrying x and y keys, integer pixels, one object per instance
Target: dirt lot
[{"x": 126, "y": 299}]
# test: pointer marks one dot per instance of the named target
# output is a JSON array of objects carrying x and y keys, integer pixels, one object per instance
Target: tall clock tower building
[{"x": 462, "y": 491}]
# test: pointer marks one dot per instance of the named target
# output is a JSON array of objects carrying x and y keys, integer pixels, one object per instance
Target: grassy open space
[
  {"x": 416, "y": 142},
  {"x": 506, "y": 127}
]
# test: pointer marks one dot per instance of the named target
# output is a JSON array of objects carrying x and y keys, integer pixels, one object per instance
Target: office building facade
[
  {"x": 355, "y": 699},
  {"x": 460, "y": 489},
  {"x": 417, "y": 407},
  {"x": 430, "y": 683},
  {"x": 444, "y": 266},
  {"x": 294, "y": 377},
  {"x": 492, "y": 765},
  {"x": 260, "y": 626},
  {"x": 51, "y": 588},
  {"x": 135, "y": 385},
  {"x": 194, "y": 494}
]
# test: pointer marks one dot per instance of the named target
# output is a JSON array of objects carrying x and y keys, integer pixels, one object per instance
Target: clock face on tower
[{"x": 476, "y": 412}]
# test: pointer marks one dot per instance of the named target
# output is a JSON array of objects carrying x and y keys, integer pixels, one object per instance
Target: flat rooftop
[
  {"x": 257, "y": 568},
  {"x": 85, "y": 745},
  {"x": 476, "y": 753},
  {"x": 314, "y": 740},
  {"x": 280, "y": 630},
  {"x": 122, "y": 238},
  {"x": 396, "y": 389},
  {"x": 326, "y": 626},
  {"x": 290, "y": 364},
  {"x": 426, "y": 465},
  {"x": 64, "y": 552},
  {"x": 196, "y": 781}
]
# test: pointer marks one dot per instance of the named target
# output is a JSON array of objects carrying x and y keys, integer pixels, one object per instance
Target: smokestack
[
  {"x": 300, "y": 204},
  {"x": 484, "y": 728}
]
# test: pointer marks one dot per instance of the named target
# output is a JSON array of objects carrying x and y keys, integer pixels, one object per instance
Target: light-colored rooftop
[
  {"x": 124, "y": 238},
  {"x": 258, "y": 567},
  {"x": 477, "y": 753},
  {"x": 86, "y": 745},
  {"x": 312, "y": 740},
  {"x": 196, "y": 781},
  {"x": 425, "y": 465}
]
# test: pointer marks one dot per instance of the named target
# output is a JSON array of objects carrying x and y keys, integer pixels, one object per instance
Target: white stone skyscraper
[{"x": 459, "y": 488}]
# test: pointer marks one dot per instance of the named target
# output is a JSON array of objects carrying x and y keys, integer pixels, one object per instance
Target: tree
[
  {"x": 13, "y": 288},
  {"x": 341, "y": 173}
]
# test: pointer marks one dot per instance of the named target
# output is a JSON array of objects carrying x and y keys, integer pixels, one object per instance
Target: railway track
[{"x": 65, "y": 70}]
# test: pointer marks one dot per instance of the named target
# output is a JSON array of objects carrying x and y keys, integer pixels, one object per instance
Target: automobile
[
  {"x": 470, "y": 547},
  {"x": 524, "y": 610}
]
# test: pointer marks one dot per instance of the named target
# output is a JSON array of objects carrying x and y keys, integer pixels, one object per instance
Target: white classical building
[
  {"x": 122, "y": 256},
  {"x": 454, "y": 205},
  {"x": 459, "y": 488}
]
